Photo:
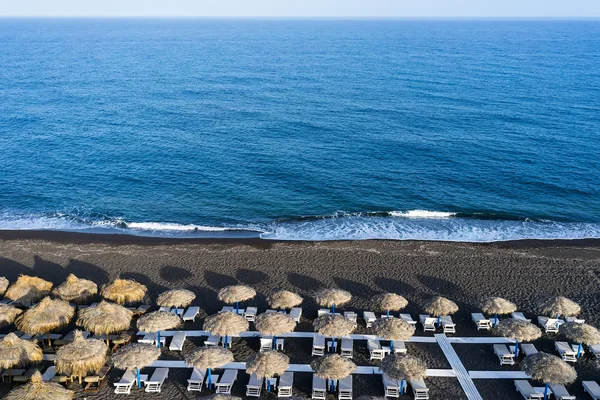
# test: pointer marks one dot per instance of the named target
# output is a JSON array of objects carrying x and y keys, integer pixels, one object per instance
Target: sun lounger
[
  {"x": 191, "y": 313},
  {"x": 347, "y": 348},
  {"x": 213, "y": 340},
  {"x": 391, "y": 386},
  {"x": 345, "y": 388},
  {"x": 165, "y": 309},
  {"x": 369, "y": 318},
  {"x": 226, "y": 382},
  {"x": 49, "y": 374},
  {"x": 592, "y": 388},
  {"x": 399, "y": 346},
  {"x": 419, "y": 389},
  {"x": 11, "y": 373},
  {"x": 177, "y": 341},
  {"x": 149, "y": 338},
  {"x": 505, "y": 356},
  {"x": 595, "y": 349},
  {"x": 44, "y": 337},
  {"x": 550, "y": 325},
  {"x": 254, "y": 386},
  {"x": 296, "y": 313},
  {"x": 127, "y": 380},
  {"x": 566, "y": 352},
  {"x": 575, "y": 320},
  {"x": 26, "y": 376},
  {"x": 61, "y": 378},
  {"x": 323, "y": 311},
  {"x": 94, "y": 382},
  {"x": 196, "y": 380},
  {"x": 527, "y": 391},
  {"x": 271, "y": 384},
  {"x": 428, "y": 322},
  {"x": 519, "y": 316},
  {"x": 481, "y": 321},
  {"x": 525, "y": 348},
  {"x": 351, "y": 315},
  {"x": 447, "y": 324},
  {"x": 408, "y": 319},
  {"x": 286, "y": 382},
  {"x": 124, "y": 338},
  {"x": 154, "y": 384},
  {"x": 250, "y": 313},
  {"x": 560, "y": 393},
  {"x": 266, "y": 343},
  {"x": 375, "y": 350},
  {"x": 318, "y": 347},
  {"x": 318, "y": 388}
]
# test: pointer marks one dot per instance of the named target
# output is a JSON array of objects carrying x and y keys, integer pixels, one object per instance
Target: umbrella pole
[
  {"x": 107, "y": 339},
  {"x": 438, "y": 320},
  {"x": 139, "y": 382},
  {"x": 388, "y": 313},
  {"x": 495, "y": 320},
  {"x": 546, "y": 390},
  {"x": 402, "y": 386},
  {"x": 517, "y": 348},
  {"x": 332, "y": 386},
  {"x": 209, "y": 379},
  {"x": 237, "y": 308},
  {"x": 158, "y": 339},
  {"x": 392, "y": 346},
  {"x": 49, "y": 343},
  {"x": 274, "y": 342},
  {"x": 268, "y": 384},
  {"x": 556, "y": 321},
  {"x": 333, "y": 308},
  {"x": 579, "y": 350}
]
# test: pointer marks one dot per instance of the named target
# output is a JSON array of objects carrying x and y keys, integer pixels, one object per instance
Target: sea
[{"x": 301, "y": 129}]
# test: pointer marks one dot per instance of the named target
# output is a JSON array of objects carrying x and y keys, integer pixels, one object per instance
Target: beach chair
[
  {"x": 428, "y": 322},
  {"x": 149, "y": 338},
  {"x": 505, "y": 356},
  {"x": 286, "y": 382},
  {"x": 575, "y": 320},
  {"x": 254, "y": 386},
  {"x": 595, "y": 349},
  {"x": 125, "y": 383},
  {"x": 525, "y": 348},
  {"x": 165, "y": 309},
  {"x": 592, "y": 388},
  {"x": 141, "y": 310},
  {"x": 447, "y": 324},
  {"x": 375, "y": 350},
  {"x": 226, "y": 382},
  {"x": 481, "y": 321},
  {"x": 519, "y": 316},
  {"x": 266, "y": 343},
  {"x": 49, "y": 374},
  {"x": 351, "y": 315},
  {"x": 323, "y": 311},
  {"x": 527, "y": 391},
  {"x": 154, "y": 384},
  {"x": 319, "y": 391},
  {"x": 420, "y": 391},
  {"x": 196, "y": 380},
  {"x": 124, "y": 338},
  {"x": 61, "y": 378},
  {"x": 550, "y": 325},
  {"x": 408, "y": 319},
  {"x": 566, "y": 352},
  {"x": 318, "y": 347},
  {"x": 212, "y": 340},
  {"x": 227, "y": 309},
  {"x": 250, "y": 313},
  {"x": 347, "y": 348},
  {"x": 94, "y": 382},
  {"x": 369, "y": 318},
  {"x": 345, "y": 388},
  {"x": 26, "y": 376},
  {"x": 177, "y": 341},
  {"x": 296, "y": 313},
  {"x": 391, "y": 386},
  {"x": 271, "y": 384},
  {"x": 399, "y": 346},
  {"x": 191, "y": 313},
  {"x": 11, "y": 373},
  {"x": 561, "y": 393}
]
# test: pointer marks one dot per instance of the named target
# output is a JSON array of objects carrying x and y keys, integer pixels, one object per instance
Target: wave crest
[{"x": 421, "y": 214}]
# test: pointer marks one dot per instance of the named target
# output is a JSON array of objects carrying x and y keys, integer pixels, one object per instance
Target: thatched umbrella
[
  {"x": 76, "y": 290},
  {"x": 136, "y": 355},
  {"x": 267, "y": 364},
  {"x": 16, "y": 352},
  {"x": 235, "y": 294},
  {"x": 226, "y": 324},
  {"x": 284, "y": 299},
  {"x": 403, "y": 367},
  {"x": 581, "y": 333},
  {"x": 549, "y": 369},
  {"x": 80, "y": 356},
  {"x": 273, "y": 324},
  {"x": 392, "y": 329},
  {"x": 333, "y": 367},
  {"x": 47, "y": 315},
  {"x": 176, "y": 298},
  {"x": 386, "y": 302},
  {"x": 28, "y": 289},
  {"x": 158, "y": 321},
  {"x": 104, "y": 318},
  {"x": 8, "y": 313},
  {"x": 334, "y": 325},
  {"x": 37, "y": 389},
  {"x": 498, "y": 305},
  {"x": 123, "y": 291},
  {"x": 3, "y": 285},
  {"x": 520, "y": 331},
  {"x": 559, "y": 306},
  {"x": 331, "y": 297},
  {"x": 208, "y": 357},
  {"x": 439, "y": 306}
]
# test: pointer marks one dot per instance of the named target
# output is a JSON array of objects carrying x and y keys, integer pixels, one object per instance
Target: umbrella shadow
[
  {"x": 305, "y": 283},
  {"x": 11, "y": 269},
  {"x": 85, "y": 270},
  {"x": 218, "y": 281},
  {"x": 205, "y": 298},
  {"x": 355, "y": 288},
  {"x": 251, "y": 276},
  {"x": 49, "y": 270},
  {"x": 174, "y": 274},
  {"x": 440, "y": 286}
]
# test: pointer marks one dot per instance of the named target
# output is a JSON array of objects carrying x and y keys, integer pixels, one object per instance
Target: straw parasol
[
  {"x": 158, "y": 321},
  {"x": 581, "y": 333},
  {"x": 439, "y": 306},
  {"x": 549, "y": 369},
  {"x": 498, "y": 305},
  {"x": 208, "y": 357},
  {"x": 135, "y": 355},
  {"x": 76, "y": 290},
  {"x": 80, "y": 356},
  {"x": 8, "y": 314},
  {"x": 3, "y": 285},
  {"x": 267, "y": 364},
  {"x": 47, "y": 315},
  {"x": 28, "y": 289},
  {"x": 225, "y": 324},
  {"x": 560, "y": 306},
  {"x": 176, "y": 298},
  {"x": 331, "y": 297},
  {"x": 16, "y": 352},
  {"x": 392, "y": 329},
  {"x": 387, "y": 302},
  {"x": 520, "y": 331},
  {"x": 333, "y": 325},
  {"x": 284, "y": 299},
  {"x": 403, "y": 367},
  {"x": 37, "y": 389},
  {"x": 274, "y": 324},
  {"x": 235, "y": 294},
  {"x": 104, "y": 318},
  {"x": 332, "y": 366},
  {"x": 123, "y": 291}
]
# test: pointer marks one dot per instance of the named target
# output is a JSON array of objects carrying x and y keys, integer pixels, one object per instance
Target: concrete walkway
[{"x": 461, "y": 373}]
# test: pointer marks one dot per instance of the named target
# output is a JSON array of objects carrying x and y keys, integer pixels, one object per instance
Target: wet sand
[{"x": 527, "y": 272}]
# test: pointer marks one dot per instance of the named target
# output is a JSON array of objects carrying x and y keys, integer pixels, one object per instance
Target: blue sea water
[{"x": 462, "y": 130}]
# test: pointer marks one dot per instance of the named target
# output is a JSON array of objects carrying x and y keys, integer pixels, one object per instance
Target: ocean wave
[
  {"x": 173, "y": 227},
  {"x": 421, "y": 214}
]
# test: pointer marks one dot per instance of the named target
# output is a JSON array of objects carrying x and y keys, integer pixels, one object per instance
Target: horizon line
[{"x": 530, "y": 17}]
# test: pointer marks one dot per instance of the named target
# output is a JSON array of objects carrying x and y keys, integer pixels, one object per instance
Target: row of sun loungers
[
  {"x": 531, "y": 393},
  {"x": 153, "y": 384},
  {"x": 393, "y": 388}
]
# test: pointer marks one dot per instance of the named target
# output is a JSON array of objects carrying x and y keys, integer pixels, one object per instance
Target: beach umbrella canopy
[
  {"x": 284, "y": 299},
  {"x": 403, "y": 367},
  {"x": 235, "y": 294},
  {"x": 226, "y": 324},
  {"x": 135, "y": 355},
  {"x": 498, "y": 305},
  {"x": 3, "y": 285},
  {"x": 28, "y": 289},
  {"x": 334, "y": 325},
  {"x": 267, "y": 364},
  {"x": 104, "y": 318},
  {"x": 123, "y": 291},
  {"x": 37, "y": 389},
  {"x": 387, "y": 302},
  {"x": 80, "y": 356},
  {"x": 582, "y": 334},
  {"x": 332, "y": 297},
  {"x": 520, "y": 331},
  {"x": 333, "y": 366},
  {"x": 158, "y": 321},
  {"x": 176, "y": 298},
  {"x": 274, "y": 323},
  {"x": 549, "y": 369},
  {"x": 8, "y": 313},
  {"x": 560, "y": 306},
  {"x": 76, "y": 290},
  {"x": 208, "y": 357},
  {"x": 392, "y": 329},
  {"x": 16, "y": 352},
  {"x": 439, "y": 306},
  {"x": 47, "y": 315}
]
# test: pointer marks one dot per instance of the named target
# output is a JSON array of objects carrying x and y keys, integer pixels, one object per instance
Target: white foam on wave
[
  {"x": 173, "y": 227},
  {"x": 421, "y": 214}
]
